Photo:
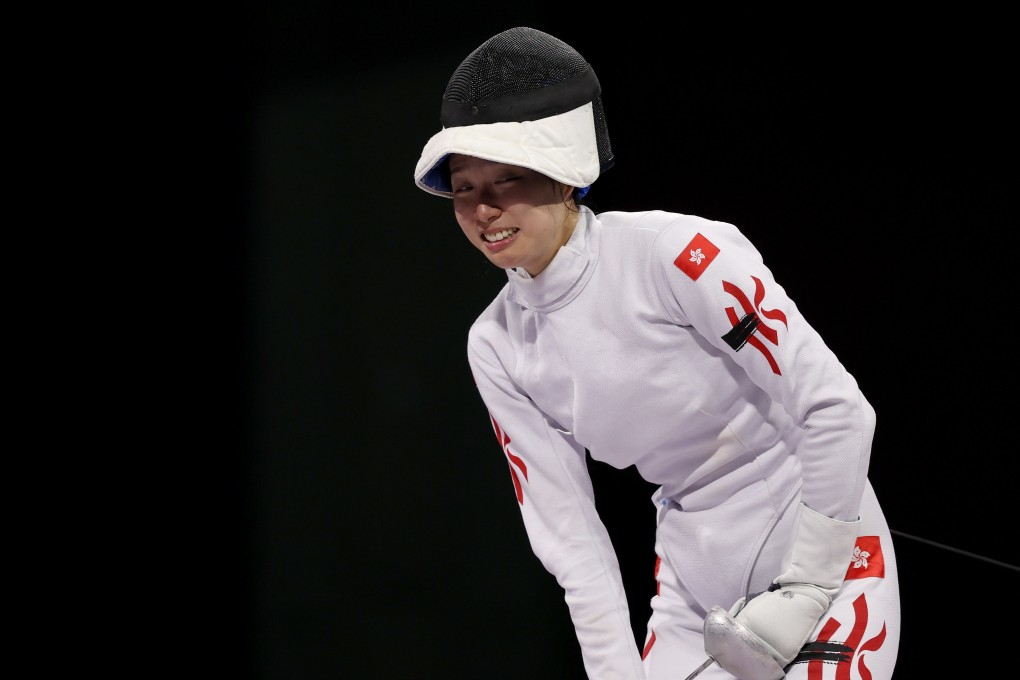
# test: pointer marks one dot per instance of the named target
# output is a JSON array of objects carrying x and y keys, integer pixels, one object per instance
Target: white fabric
[
  {"x": 562, "y": 147},
  {"x": 614, "y": 349}
]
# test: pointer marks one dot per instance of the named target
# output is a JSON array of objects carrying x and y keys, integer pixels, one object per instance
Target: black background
[{"x": 362, "y": 521}]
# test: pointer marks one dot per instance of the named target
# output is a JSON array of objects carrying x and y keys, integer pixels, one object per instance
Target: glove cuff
[{"x": 820, "y": 552}]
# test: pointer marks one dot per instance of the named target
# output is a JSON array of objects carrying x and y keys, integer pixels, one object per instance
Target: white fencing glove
[{"x": 783, "y": 617}]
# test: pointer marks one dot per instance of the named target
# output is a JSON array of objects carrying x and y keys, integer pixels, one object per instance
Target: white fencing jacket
[{"x": 662, "y": 341}]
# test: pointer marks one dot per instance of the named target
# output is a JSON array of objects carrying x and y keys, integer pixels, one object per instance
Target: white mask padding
[{"x": 562, "y": 147}]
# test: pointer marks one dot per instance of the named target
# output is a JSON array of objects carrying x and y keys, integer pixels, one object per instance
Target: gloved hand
[{"x": 784, "y": 616}]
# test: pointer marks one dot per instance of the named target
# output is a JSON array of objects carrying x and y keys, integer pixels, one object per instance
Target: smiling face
[{"x": 516, "y": 216}]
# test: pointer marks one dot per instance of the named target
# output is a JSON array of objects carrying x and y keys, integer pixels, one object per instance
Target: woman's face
[{"x": 516, "y": 216}]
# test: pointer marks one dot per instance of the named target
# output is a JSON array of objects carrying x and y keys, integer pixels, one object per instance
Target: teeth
[{"x": 499, "y": 235}]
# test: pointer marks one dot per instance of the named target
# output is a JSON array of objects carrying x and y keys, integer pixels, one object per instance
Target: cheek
[
  {"x": 545, "y": 218},
  {"x": 464, "y": 213},
  {"x": 466, "y": 225}
]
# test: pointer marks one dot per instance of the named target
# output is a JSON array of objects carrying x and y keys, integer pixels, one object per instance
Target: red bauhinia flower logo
[
  {"x": 696, "y": 256},
  {"x": 867, "y": 559}
]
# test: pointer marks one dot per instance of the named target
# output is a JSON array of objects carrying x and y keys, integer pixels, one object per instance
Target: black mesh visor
[{"x": 523, "y": 74}]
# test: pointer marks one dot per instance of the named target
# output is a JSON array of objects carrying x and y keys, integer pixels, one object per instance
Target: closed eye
[{"x": 467, "y": 188}]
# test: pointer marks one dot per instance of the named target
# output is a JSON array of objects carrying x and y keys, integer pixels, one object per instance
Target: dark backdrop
[{"x": 364, "y": 521}]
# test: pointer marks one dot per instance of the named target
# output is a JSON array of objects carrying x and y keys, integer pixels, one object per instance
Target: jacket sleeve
[
  {"x": 710, "y": 277},
  {"x": 554, "y": 491}
]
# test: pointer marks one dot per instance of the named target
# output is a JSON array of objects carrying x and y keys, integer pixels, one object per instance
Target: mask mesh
[
  {"x": 514, "y": 62},
  {"x": 523, "y": 61}
]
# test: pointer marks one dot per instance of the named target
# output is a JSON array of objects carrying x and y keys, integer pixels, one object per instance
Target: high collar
[{"x": 565, "y": 276}]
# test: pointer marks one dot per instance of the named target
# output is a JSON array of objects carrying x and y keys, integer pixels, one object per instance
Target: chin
[{"x": 499, "y": 259}]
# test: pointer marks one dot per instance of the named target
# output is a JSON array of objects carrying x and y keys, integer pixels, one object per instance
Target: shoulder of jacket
[{"x": 652, "y": 221}]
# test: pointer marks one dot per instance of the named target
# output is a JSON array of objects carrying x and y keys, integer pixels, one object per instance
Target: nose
[{"x": 487, "y": 212}]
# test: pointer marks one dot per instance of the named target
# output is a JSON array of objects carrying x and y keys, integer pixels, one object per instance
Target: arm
[
  {"x": 732, "y": 299},
  {"x": 556, "y": 500},
  {"x": 712, "y": 278}
]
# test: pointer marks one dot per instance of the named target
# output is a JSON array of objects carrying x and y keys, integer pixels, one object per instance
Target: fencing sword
[{"x": 697, "y": 671}]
